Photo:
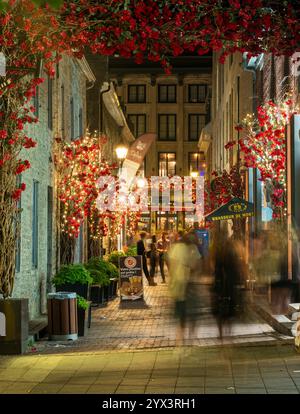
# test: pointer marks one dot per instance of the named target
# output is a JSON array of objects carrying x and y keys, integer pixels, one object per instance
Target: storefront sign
[
  {"x": 234, "y": 209},
  {"x": 131, "y": 278}
]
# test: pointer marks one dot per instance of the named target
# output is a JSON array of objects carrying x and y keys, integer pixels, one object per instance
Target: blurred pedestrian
[
  {"x": 227, "y": 295},
  {"x": 184, "y": 259},
  {"x": 162, "y": 248},
  {"x": 153, "y": 257},
  {"x": 142, "y": 252}
]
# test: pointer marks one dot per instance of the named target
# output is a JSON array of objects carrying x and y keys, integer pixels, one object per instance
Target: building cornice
[{"x": 86, "y": 69}]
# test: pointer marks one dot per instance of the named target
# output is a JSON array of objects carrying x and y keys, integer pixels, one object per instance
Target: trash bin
[{"x": 62, "y": 316}]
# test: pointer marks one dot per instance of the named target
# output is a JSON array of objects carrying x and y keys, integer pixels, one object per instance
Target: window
[
  {"x": 196, "y": 123},
  {"x": 197, "y": 93},
  {"x": 80, "y": 123},
  {"x": 36, "y": 101},
  {"x": 137, "y": 124},
  {"x": 136, "y": 93},
  {"x": 166, "y": 163},
  {"x": 63, "y": 110},
  {"x": 167, "y": 93},
  {"x": 196, "y": 161},
  {"x": 49, "y": 232},
  {"x": 18, "y": 243},
  {"x": 35, "y": 232},
  {"x": 72, "y": 119},
  {"x": 50, "y": 103},
  {"x": 167, "y": 127}
]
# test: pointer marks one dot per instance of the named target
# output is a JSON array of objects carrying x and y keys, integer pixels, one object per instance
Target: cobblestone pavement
[
  {"x": 195, "y": 370},
  {"x": 133, "y": 325}
]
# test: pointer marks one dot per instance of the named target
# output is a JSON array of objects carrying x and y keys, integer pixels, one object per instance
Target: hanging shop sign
[
  {"x": 131, "y": 278},
  {"x": 135, "y": 157},
  {"x": 234, "y": 209}
]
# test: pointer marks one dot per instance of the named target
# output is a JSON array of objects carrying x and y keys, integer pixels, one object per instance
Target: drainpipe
[
  {"x": 102, "y": 92},
  {"x": 101, "y": 107},
  {"x": 256, "y": 184}
]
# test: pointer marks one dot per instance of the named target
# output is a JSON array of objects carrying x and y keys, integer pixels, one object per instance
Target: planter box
[
  {"x": 97, "y": 294},
  {"x": 83, "y": 320},
  {"x": 14, "y": 317},
  {"x": 106, "y": 290},
  {"x": 114, "y": 284},
  {"x": 82, "y": 290}
]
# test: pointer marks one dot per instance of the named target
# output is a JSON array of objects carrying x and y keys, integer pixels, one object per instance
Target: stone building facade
[
  {"x": 61, "y": 108},
  {"x": 175, "y": 107},
  {"x": 232, "y": 99}
]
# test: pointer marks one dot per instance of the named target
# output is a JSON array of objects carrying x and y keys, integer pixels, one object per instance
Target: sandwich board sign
[{"x": 131, "y": 277}]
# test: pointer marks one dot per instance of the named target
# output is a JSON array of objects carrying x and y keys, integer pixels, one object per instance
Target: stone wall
[{"x": 29, "y": 277}]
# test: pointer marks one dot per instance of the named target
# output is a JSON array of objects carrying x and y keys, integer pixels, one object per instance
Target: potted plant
[
  {"x": 99, "y": 271},
  {"x": 114, "y": 276},
  {"x": 114, "y": 257},
  {"x": 73, "y": 278},
  {"x": 131, "y": 251},
  {"x": 82, "y": 314}
]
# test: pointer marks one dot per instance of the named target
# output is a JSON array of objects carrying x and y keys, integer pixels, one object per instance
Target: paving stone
[
  {"x": 102, "y": 389},
  {"x": 189, "y": 390},
  {"x": 122, "y": 389},
  {"x": 46, "y": 389},
  {"x": 5, "y": 384},
  {"x": 34, "y": 375},
  {"x": 219, "y": 390},
  {"x": 159, "y": 390},
  {"x": 19, "y": 388},
  {"x": 248, "y": 390},
  {"x": 83, "y": 379},
  {"x": 57, "y": 377},
  {"x": 74, "y": 389}
]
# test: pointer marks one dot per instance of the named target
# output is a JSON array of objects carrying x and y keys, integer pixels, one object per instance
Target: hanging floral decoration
[
  {"x": 33, "y": 33},
  {"x": 223, "y": 187},
  {"x": 80, "y": 166},
  {"x": 264, "y": 148}
]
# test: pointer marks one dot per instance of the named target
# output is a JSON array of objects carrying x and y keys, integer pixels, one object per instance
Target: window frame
[
  {"x": 168, "y": 135},
  {"x": 35, "y": 224},
  {"x": 137, "y": 123},
  {"x": 197, "y": 85},
  {"x": 72, "y": 116},
  {"x": 167, "y": 85},
  {"x": 50, "y": 103},
  {"x": 189, "y": 125},
  {"x": 137, "y": 87},
  {"x": 159, "y": 160}
]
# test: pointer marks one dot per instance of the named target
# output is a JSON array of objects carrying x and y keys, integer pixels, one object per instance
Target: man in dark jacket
[{"x": 141, "y": 251}]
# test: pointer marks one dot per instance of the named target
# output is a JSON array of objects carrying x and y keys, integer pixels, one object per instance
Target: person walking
[
  {"x": 162, "y": 248},
  {"x": 141, "y": 251},
  {"x": 153, "y": 256},
  {"x": 184, "y": 260}
]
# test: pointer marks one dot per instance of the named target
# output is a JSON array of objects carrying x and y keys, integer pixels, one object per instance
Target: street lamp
[
  {"x": 121, "y": 151},
  {"x": 194, "y": 174}
]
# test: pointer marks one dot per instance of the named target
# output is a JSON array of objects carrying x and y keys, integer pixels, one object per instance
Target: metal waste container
[{"x": 62, "y": 316}]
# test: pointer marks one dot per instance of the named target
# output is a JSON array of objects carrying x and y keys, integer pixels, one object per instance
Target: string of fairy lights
[{"x": 264, "y": 147}]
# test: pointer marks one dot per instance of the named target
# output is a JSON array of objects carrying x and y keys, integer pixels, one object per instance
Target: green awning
[{"x": 234, "y": 209}]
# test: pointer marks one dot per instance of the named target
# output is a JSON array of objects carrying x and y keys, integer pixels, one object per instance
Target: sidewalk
[
  {"x": 198, "y": 370},
  {"x": 133, "y": 325}
]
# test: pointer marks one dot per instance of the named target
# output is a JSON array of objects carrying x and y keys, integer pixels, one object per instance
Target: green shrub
[
  {"x": 131, "y": 251},
  {"x": 101, "y": 270},
  {"x": 114, "y": 257},
  {"x": 82, "y": 303},
  {"x": 113, "y": 270},
  {"x": 73, "y": 274}
]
